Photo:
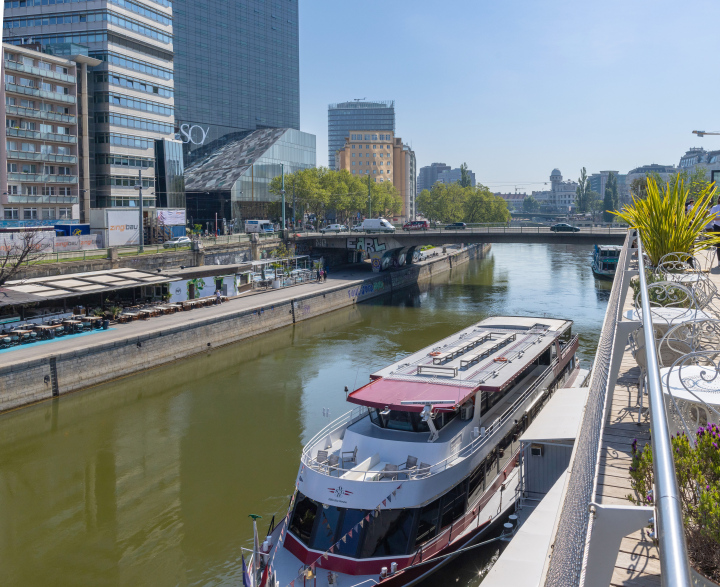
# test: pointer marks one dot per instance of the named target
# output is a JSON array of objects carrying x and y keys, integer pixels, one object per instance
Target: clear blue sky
[{"x": 518, "y": 87}]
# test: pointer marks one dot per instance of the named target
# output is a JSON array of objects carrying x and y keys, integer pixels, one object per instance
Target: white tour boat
[{"x": 424, "y": 464}]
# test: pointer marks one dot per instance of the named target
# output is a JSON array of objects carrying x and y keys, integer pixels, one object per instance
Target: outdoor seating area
[
  {"x": 29, "y": 332},
  {"x": 133, "y": 312}
]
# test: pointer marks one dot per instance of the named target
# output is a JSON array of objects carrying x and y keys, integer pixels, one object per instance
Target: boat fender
[
  {"x": 434, "y": 354},
  {"x": 500, "y": 359}
]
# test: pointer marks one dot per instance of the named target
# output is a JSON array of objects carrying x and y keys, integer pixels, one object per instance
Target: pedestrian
[
  {"x": 689, "y": 206},
  {"x": 324, "y": 274},
  {"x": 218, "y": 299},
  {"x": 318, "y": 274}
]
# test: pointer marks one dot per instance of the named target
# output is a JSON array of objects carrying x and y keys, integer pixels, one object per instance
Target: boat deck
[{"x": 638, "y": 561}]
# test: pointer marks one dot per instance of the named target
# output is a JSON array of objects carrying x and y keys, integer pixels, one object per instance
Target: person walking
[
  {"x": 324, "y": 275},
  {"x": 318, "y": 274},
  {"x": 218, "y": 298}
]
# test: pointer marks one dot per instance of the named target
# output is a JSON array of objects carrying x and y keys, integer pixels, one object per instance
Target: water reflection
[{"x": 149, "y": 480}]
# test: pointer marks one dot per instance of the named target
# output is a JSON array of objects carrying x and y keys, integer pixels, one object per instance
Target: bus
[{"x": 258, "y": 226}]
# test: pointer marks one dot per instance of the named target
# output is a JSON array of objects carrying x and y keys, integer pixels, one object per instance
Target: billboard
[
  {"x": 123, "y": 227},
  {"x": 171, "y": 216}
]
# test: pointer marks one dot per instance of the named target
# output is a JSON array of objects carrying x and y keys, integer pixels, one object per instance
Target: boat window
[
  {"x": 324, "y": 537},
  {"x": 410, "y": 421},
  {"x": 476, "y": 482},
  {"x": 350, "y": 546},
  {"x": 400, "y": 421},
  {"x": 453, "y": 504},
  {"x": 427, "y": 522},
  {"x": 303, "y": 518},
  {"x": 388, "y": 534}
]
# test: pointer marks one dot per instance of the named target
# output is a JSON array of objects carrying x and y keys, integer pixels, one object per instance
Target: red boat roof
[{"x": 390, "y": 392}]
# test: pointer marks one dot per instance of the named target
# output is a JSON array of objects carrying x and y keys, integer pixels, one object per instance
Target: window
[
  {"x": 65, "y": 213},
  {"x": 353, "y": 148},
  {"x": 48, "y": 191},
  {"x": 388, "y": 534},
  {"x": 12, "y": 167},
  {"x": 47, "y": 86},
  {"x": 353, "y": 172},
  {"x": 28, "y": 168},
  {"x": 374, "y": 146},
  {"x": 303, "y": 519},
  {"x": 48, "y": 213},
  {"x": 353, "y": 162},
  {"x": 30, "y": 214},
  {"x": 14, "y": 190},
  {"x": 49, "y": 169},
  {"x": 64, "y": 191},
  {"x": 11, "y": 214},
  {"x": 11, "y": 145},
  {"x": 374, "y": 138},
  {"x": 324, "y": 536},
  {"x": 46, "y": 128},
  {"x": 31, "y": 190},
  {"x": 453, "y": 504},
  {"x": 427, "y": 522},
  {"x": 10, "y": 101}
]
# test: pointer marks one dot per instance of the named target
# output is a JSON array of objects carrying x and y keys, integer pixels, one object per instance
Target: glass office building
[
  {"x": 236, "y": 70},
  {"x": 356, "y": 115}
]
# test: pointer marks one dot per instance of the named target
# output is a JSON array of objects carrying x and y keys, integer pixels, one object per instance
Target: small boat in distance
[
  {"x": 427, "y": 462},
  {"x": 604, "y": 261}
]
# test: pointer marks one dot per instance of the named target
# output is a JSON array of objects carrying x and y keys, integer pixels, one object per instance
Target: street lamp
[{"x": 138, "y": 187}]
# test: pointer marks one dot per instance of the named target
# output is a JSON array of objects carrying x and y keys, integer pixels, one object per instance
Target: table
[
  {"x": 132, "y": 315},
  {"x": 696, "y": 391},
  {"x": 666, "y": 317}
]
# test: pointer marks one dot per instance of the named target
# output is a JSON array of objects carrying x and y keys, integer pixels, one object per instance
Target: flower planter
[{"x": 699, "y": 581}]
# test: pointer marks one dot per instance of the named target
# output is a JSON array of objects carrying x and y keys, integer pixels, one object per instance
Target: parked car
[
  {"x": 178, "y": 241},
  {"x": 357, "y": 227},
  {"x": 416, "y": 225},
  {"x": 377, "y": 225},
  {"x": 334, "y": 228},
  {"x": 563, "y": 227},
  {"x": 456, "y": 226}
]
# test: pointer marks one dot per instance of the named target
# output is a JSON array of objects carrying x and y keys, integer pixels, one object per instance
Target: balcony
[
  {"x": 41, "y": 114},
  {"x": 15, "y": 89},
  {"x": 63, "y": 77},
  {"x": 42, "y": 178},
  {"x": 40, "y": 136},
  {"x": 26, "y": 199},
  {"x": 48, "y": 157}
]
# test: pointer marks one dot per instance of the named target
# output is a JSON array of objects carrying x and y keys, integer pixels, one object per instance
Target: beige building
[
  {"x": 384, "y": 157},
  {"x": 45, "y": 152}
]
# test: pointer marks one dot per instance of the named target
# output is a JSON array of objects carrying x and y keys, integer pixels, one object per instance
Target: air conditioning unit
[{"x": 466, "y": 411}]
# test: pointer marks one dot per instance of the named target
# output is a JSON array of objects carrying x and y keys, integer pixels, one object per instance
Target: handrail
[{"x": 674, "y": 566}]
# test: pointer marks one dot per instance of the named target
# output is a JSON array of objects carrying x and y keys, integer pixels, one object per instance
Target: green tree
[
  {"x": 594, "y": 202},
  {"x": 481, "y": 205},
  {"x": 696, "y": 182},
  {"x": 610, "y": 202},
  {"x": 581, "y": 192},
  {"x": 530, "y": 205},
  {"x": 465, "y": 180},
  {"x": 427, "y": 206}
]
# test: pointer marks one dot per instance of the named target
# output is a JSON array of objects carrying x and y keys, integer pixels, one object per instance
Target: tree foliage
[
  {"x": 610, "y": 201},
  {"x": 454, "y": 203},
  {"x": 582, "y": 191},
  {"x": 530, "y": 205},
  {"x": 320, "y": 190},
  {"x": 465, "y": 179},
  {"x": 18, "y": 249}
]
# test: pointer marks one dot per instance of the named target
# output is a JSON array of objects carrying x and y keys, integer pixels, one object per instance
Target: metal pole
[
  {"x": 282, "y": 171},
  {"x": 369, "y": 199},
  {"x": 294, "y": 209},
  {"x": 674, "y": 567},
  {"x": 142, "y": 228},
  {"x": 215, "y": 224}
]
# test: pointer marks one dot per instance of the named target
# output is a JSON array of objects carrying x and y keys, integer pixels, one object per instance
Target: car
[
  {"x": 416, "y": 225},
  {"x": 178, "y": 241},
  {"x": 357, "y": 228},
  {"x": 456, "y": 226},
  {"x": 334, "y": 228},
  {"x": 563, "y": 227}
]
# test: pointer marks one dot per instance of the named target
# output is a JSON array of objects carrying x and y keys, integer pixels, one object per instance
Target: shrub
[{"x": 698, "y": 475}]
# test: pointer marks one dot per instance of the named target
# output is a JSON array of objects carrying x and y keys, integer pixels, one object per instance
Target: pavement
[{"x": 344, "y": 277}]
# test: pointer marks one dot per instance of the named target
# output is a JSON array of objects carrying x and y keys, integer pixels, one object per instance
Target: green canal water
[{"x": 149, "y": 480}]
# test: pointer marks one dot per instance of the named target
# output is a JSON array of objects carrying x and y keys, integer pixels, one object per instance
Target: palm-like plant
[{"x": 664, "y": 225}]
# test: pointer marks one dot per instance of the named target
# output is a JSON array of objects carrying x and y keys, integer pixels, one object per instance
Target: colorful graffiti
[
  {"x": 366, "y": 243},
  {"x": 366, "y": 289}
]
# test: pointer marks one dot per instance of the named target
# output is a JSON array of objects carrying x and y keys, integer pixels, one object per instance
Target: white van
[
  {"x": 377, "y": 225},
  {"x": 258, "y": 226}
]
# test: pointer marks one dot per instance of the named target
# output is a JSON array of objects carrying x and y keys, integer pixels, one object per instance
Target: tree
[
  {"x": 18, "y": 249},
  {"x": 594, "y": 202},
  {"x": 427, "y": 206},
  {"x": 530, "y": 205},
  {"x": 481, "y": 205},
  {"x": 465, "y": 180},
  {"x": 581, "y": 192},
  {"x": 610, "y": 202},
  {"x": 696, "y": 183}
]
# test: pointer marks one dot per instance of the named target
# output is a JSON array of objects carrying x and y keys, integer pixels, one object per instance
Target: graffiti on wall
[
  {"x": 365, "y": 289},
  {"x": 366, "y": 243}
]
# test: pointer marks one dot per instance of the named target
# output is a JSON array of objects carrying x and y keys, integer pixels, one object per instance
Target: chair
[
  {"x": 693, "y": 336},
  {"x": 669, "y": 295},
  {"x": 389, "y": 472},
  {"x": 349, "y": 457},
  {"x": 409, "y": 464},
  {"x": 422, "y": 471},
  {"x": 332, "y": 463},
  {"x": 322, "y": 457},
  {"x": 674, "y": 263}
]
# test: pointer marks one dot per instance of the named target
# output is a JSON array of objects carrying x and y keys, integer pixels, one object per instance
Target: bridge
[{"x": 400, "y": 247}]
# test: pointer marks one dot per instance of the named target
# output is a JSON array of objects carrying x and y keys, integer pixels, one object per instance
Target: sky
[{"x": 518, "y": 87}]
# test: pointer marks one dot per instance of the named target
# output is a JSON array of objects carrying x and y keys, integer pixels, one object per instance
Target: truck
[{"x": 258, "y": 226}]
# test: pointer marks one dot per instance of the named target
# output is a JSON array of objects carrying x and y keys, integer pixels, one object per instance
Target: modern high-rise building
[
  {"x": 236, "y": 71},
  {"x": 131, "y": 91},
  {"x": 429, "y": 175},
  {"x": 454, "y": 176},
  {"x": 384, "y": 157},
  {"x": 357, "y": 115}
]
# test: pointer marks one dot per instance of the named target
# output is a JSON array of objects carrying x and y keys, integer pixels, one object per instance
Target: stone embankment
[{"x": 68, "y": 365}]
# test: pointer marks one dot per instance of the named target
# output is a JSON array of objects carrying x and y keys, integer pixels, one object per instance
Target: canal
[{"x": 149, "y": 480}]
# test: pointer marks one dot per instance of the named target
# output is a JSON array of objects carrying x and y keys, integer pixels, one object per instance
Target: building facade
[
  {"x": 514, "y": 201},
  {"x": 357, "y": 115},
  {"x": 131, "y": 92},
  {"x": 561, "y": 195},
  {"x": 454, "y": 176},
  {"x": 45, "y": 159},
  {"x": 236, "y": 68},
  {"x": 698, "y": 157},
  {"x": 429, "y": 175},
  {"x": 384, "y": 157},
  {"x": 665, "y": 172}
]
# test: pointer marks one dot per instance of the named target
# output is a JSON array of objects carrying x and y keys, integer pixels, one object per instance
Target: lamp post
[
  {"x": 138, "y": 187},
  {"x": 282, "y": 191},
  {"x": 369, "y": 199}
]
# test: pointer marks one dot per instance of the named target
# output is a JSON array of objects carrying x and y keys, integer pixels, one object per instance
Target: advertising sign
[
  {"x": 76, "y": 243},
  {"x": 171, "y": 217},
  {"x": 123, "y": 227},
  {"x": 14, "y": 243}
]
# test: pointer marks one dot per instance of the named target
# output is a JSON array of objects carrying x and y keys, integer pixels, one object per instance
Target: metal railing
[
  {"x": 674, "y": 565},
  {"x": 479, "y": 229}
]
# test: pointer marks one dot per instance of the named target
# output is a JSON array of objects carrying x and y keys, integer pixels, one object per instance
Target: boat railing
[{"x": 489, "y": 435}]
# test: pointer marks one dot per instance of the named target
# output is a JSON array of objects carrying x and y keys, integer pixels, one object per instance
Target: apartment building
[
  {"x": 384, "y": 157},
  {"x": 360, "y": 115},
  {"x": 130, "y": 92},
  {"x": 44, "y": 168}
]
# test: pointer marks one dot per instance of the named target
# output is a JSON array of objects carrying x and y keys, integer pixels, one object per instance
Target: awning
[
  {"x": 56, "y": 287},
  {"x": 392, "y": 392}
]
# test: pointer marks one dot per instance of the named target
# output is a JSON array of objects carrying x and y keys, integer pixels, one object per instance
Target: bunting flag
[
  {"x": 367, "y": 518},
  {"x": 357, "y": 528},
  {"x": 344, "y": 538},
  {"x": 300, "y": 477},
  {"x": 349, "y": 534},
  {"x": 389, "y": 498},
  {"x": 384, "y": 502},
  {"x": 325, "y": 554},
  {"x": 361, "y": 522},
  {"x": 394, "y": 492},
  {"x": 292, "y": 583},
  {"x": 332, "y": 548}
]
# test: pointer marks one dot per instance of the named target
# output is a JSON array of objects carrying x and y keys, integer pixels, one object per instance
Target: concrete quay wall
[{"x": 30, "y": 381}]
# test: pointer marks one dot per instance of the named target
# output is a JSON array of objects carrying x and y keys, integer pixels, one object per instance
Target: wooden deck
[{"x": 637, "y": 563}]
